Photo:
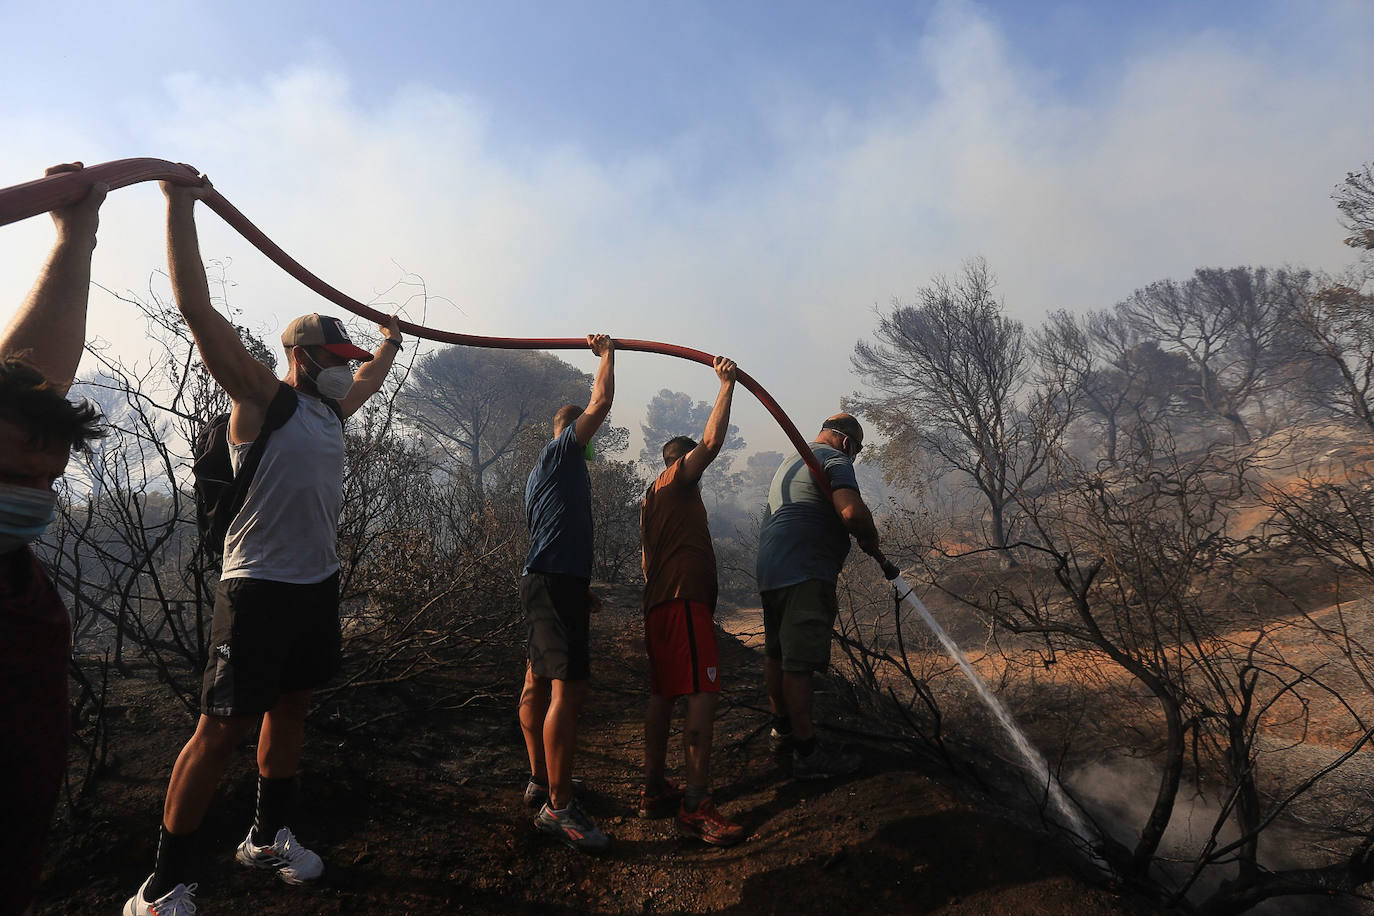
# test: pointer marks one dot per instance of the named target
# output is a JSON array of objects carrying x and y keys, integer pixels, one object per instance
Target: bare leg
[
  {"x": 560, "y": 738},
  {"x": 198, "y": 769},
  {"x": 696, "y": 737},
  {"x": 533, "y": 708},
  {"x": 656, "y": 738},
  {"x": 797, "y": 690},
  {"x": 283, "y": 735},
  {"x": 772, "y": 679}
]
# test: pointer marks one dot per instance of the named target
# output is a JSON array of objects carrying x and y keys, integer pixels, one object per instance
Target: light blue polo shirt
[{"x": 803, "y": 536}]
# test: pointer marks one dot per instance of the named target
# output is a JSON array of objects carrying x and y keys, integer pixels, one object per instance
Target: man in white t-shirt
[{"x": 275, "y": 634}]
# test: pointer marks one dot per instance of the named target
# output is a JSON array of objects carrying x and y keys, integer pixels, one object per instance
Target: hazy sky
[{"x": 746, "y": 178}]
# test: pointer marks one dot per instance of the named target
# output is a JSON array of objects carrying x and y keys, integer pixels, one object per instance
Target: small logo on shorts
[
  {"x": 711, "y": 674},
  {"x": 222, "y": 651}
]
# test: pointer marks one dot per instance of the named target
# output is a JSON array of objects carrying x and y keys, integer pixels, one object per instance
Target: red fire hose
[{"x": 63, "y": 189}]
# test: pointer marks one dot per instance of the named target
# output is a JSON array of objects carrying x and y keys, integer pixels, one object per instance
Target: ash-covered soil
[{"x": 417, "y": 811}]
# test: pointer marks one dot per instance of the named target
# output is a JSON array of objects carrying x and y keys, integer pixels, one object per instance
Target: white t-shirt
[{"x": 288, "y": 526}]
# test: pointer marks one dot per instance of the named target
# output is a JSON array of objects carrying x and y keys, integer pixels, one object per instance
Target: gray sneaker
[
  {"x": 572, "y": 826},
  {"x": 824, "y": 762}
]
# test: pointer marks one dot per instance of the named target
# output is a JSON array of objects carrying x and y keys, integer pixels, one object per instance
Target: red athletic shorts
[{"x": 681, "y": 638}]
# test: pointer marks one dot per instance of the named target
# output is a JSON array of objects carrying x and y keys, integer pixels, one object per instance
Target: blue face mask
[{"x": 25, "y": 514}]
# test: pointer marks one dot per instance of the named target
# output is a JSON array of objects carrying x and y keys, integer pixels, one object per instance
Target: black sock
[
  {"x": 694, "y": 796},
  {"x": 782, "y": 725},
  {"x": 173, "y": 860},
  {"x": 274, "y": 808},
  {"x": 804, "y": 748}
]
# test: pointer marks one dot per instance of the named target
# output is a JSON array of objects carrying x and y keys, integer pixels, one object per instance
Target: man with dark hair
[
  {"x": 275, "y": 630},
  {"x": 39, "y": 428},
  {"x": 802, "y": 548},
  {"x": 680, "y": 589},
  {"x": 555, "y": 593}
]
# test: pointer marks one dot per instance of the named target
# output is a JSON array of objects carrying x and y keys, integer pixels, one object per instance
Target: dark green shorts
[
  {"x": 797, "y": 620},
  {"x": 558, "y": 625}
]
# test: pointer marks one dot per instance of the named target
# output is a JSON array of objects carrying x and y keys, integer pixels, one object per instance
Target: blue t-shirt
[
  {"x": 803, "y": 536},
  {"x": 558, "y": 509}
]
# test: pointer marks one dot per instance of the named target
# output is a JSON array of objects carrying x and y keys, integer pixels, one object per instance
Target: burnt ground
[{"x": 420, "y": 813}]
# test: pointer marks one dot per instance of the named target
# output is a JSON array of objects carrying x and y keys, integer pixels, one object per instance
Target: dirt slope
[{"x": 423, "y": 815}]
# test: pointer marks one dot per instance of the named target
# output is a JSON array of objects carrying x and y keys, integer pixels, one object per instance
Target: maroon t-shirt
[
  {"x": 35, "y": 644},
  {"x": 27, "y": 592},
  {"x": 679, "y": 559}
]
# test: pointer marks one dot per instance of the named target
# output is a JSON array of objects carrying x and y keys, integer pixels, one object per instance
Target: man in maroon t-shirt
[
  {"x": 39, "y": 427},
  {"x": 679, "y": 629}
]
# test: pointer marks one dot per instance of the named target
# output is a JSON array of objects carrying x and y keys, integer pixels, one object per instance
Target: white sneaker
[
  {"x": 176, "y": 902},
  {"x": 292, "y": 862}
]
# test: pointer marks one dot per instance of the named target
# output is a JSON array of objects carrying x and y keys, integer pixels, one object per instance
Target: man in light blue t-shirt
[
  {"x": 802, "y": 548},
  {"x": 554, "y": 591}
]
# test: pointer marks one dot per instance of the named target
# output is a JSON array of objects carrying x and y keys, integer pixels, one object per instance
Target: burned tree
[
  {"x": 1139, "y": 569},
  {"x": 1226, "y": 323},
  {"x": 1120, "y": 382},
  {"x": 1333, "y": 341},
  {"x": 952, "y": 374},
  {"x": 1355, "y": 199}
]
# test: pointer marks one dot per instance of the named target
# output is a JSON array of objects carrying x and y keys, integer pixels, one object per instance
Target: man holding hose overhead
[
  {"x": 275, "y": 633},
  {"x": 554, "y": 591},
  {"x": 39, "y": 353},
  {"x": 680, "y": 589}
]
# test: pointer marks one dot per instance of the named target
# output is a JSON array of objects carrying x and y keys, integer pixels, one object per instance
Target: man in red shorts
[{"x": 679, "y": 630}]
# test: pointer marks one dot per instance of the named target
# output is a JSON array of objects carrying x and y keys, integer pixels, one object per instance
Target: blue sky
[{"x": 746, "y": 178}]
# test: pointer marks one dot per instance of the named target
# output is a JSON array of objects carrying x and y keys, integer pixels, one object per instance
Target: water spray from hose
[{"x": 1030, "y": 756}]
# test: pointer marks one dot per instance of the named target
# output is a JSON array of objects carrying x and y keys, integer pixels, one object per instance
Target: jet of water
[{"x": 1034, "y": 761}]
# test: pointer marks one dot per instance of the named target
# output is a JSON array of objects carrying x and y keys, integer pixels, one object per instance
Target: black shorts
[
  {"x": 269, "y": 638},
  {"x": 558, "y": 624}
]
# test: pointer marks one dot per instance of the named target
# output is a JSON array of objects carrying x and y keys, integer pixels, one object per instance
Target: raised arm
[
  {"x": 603, "y": 389},
  {"x": 246, "y": 380},
  {"x": 49, "y": 330},
  {"x": 717, "y": 425},
  {"x": 368, "y": 380}
]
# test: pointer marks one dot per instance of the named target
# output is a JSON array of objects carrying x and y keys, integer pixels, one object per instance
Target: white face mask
[
  {"x": 25, "y": 514},
  {"x": 333, "y": 383}
]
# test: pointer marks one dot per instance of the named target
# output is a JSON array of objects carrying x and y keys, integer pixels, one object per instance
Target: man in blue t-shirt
[
  {"x": 555, "y": 593},
  {"x": 802, "y": 548}
]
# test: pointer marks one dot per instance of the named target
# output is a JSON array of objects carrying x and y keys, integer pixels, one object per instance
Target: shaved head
[
  {"x": 676, "y": 447},
  {"x": 846, "y": 425},
  {"x": 566, "y": 414}
]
